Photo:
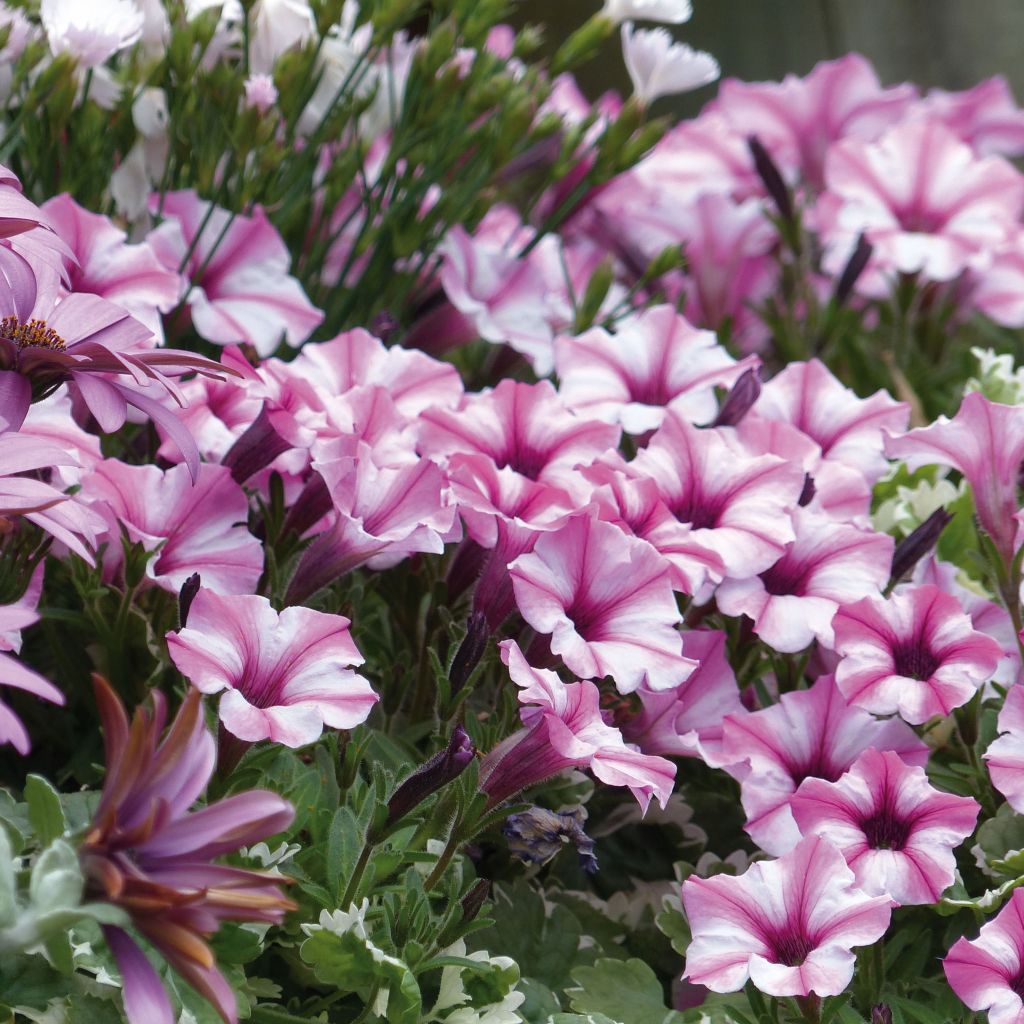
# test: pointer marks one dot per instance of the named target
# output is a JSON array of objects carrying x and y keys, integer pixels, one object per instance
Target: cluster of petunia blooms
[{"x": 661, "y": 526}]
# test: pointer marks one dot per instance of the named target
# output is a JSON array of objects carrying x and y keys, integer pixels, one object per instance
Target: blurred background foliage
[{"x": 952, "y": 44}]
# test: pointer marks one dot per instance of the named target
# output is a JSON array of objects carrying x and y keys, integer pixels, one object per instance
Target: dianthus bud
[
  {"x": 918, "y": 543},
  {"x": 442, "y": 768}
]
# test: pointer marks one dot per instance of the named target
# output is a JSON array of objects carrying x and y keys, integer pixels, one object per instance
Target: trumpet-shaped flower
[
  {"x": 985, "y": 442},
  {"x": 149, "y": 855},
  {"x": 191, "y": 528},
  {"x": 238, "y": 265},
  {"x": 923, "y": 199},
  {"x": 565, "y": 729},
  {"x": 915, "y": 654},
  {"x": 809, "y": 734},
  {"x": 986, "y": 117},
  {"x": 1005, "y": 754},
  {"x": 687, "y": 721},
  {"x": 828, "y": 565},
  {"x": 716, "y": 497},
  {"x": 986, "y": 972},
  {"x": 655, "y": 359},
  {"x": 895, "y": 830},
  {"x": 283, "y": 677},
  {"x": 104, "y": 264},
  {"x": 606, "y": 602},
  {"x": 658, "y": 66},
  {"x": 789, "y": 925},
  {"x": 847, "y": 428}
]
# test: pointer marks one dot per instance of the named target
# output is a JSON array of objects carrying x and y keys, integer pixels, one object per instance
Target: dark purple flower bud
[
  {"x": 186, "y": 596},
  {"x": 807, "y": 494},
  {"x": 881, "y": 1014},
  {"x": 470, "y": 651},
  {"x": 745, "y": 392},
  {"x": 854, "y": 268},
  {"x": 474, "y": 900},
  {"x": 384, "y": 325},
  {"x": 917, "y": 544},
  {"x": 536, "y": 836},
  {"x": 255, "y": 449},
  {"x": 442, "y": 768},
  {"x": 309, "y": 507},
  {"x": 771, "y": 177}
]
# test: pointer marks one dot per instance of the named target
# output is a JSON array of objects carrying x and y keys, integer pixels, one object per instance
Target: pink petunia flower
[
  {"x": 798, "y": 119},
  {"x": 130, "y": 276},
  {"x": 655, "y": 359},
  {"x": 524, "y": 426},
  {"x": 895, "y": 830},
  {"x": 809, "y": 734},
  {"x": 606, "y": 602},
  {"x": 789, "y": 925},
  {"x": 687, "y": 721},
  {"x": 987, "y": 973},
  {"x": 190, "y": 527},
  {"x": 565, "y": 729},
  {"x": 238, "y": 265},
  {"x": 149, "y": 855},
  {"x": 13, "y": 619},
  {"x": 1005, "y": 754},
  {"x": 380, "y": 515},
  {"x": 914, "y": 654},
  {"x": 985, "y": 442},
  {"x": 847, "y": 428},
  {"x": 923, "y": 199},
  {"x": 986, "y": 117},
  {"x": 717, "y": 498},
  {"x": 284, "y": 677},
  {"x": 828, "y": 565}
]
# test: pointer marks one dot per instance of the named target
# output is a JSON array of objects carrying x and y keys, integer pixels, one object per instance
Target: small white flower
[
  {"x": 669, "y": 12},
  {"x": 342, "y": 921},
  {"x": 91, "y": 32},
  {"x": 277, "y": 26},
  {"x": 998, "y": 379},
  {"x": 658, "y": 66}
]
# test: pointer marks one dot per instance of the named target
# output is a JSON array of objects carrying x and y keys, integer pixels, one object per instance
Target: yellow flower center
[{"x": 34, "y": 334}]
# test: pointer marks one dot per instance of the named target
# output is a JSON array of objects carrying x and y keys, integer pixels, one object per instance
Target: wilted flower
[
  {"x": 537, "y": 835},
  {"x": 147, "y": 854}
]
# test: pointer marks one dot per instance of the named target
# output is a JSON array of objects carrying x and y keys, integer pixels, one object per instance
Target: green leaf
[
  {"x": 44, "y": 809},
  {"x": 626, "y": 990},
  {"x": 30, "y": 981},
  {"x": 56, "y": 882},
  {"x": 344, "y": 841},
  {"x": 87, "y": 1009},
  {"x": 673, "y": 925}
]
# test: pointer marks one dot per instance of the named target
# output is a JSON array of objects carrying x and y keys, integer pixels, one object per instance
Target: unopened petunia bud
[
  {"x": 917, "y": 544},
  {"x": 470, "y": 651},
  {"x": 881, "y": 1014},
  {"x": 442, "y": 768},
  {"x": 474, "y": 900},
  {"x": 255, "y": 449},
  {"x": 186, "y": 596},
  {"x": 745, "y": 392},
  {"x": 771, "y": 177},
  {"x": 808, "y": 492},
  {"x": 854, "y": 268}
]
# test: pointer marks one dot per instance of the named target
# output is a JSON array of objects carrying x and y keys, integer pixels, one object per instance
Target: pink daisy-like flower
[
  {"x": 985, "y": 442},
  {"x": 238, "y": 265},
  {"x": 914, "y": 654},
  {"x": 828, "y": 565},
  {"x": 687, "y": 721},
  {"x": 847, "y": 428},
  {"x": 809, "y": 734},
  {"x": 715, "y": 497},
  {"x": 198, "y": 527},
  {"x": 923, "y": 199},
  {"x": 565, "y": 729},
  {"x": 789, "y": 925},
  {"x": 1005, "y": 754},
  {"x": 895, "y": 830},
  {"x": 606, "y": 602},
  {"x": 987, "y": 973},
  {"x": 13, "y": 619},
  {"x": 655, "y": 359},
  {"x": 284, "y": 677}
]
